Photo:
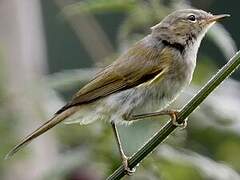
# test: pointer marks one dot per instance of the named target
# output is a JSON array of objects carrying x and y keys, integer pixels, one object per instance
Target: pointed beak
[{"x": 215, "y": 18}]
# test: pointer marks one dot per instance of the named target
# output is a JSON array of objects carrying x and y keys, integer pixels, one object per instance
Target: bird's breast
[{"x": 162, "y": 92}]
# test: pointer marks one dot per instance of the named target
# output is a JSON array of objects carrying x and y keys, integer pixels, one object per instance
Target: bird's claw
[
  {"x": 129, "y": 171},
  {"x": 173, "y": 115}
]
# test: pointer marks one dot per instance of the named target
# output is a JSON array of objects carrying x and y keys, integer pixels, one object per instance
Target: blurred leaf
[
  {"x": 204, "y": 69},
  {"x": 70, "y": 78},
  {"x": 228, "y": 152},
  {"x": 223, "y": 40},
  {"x": 207, "y": 168},
  {"x": 179, "y": 171},
  {"x": 100, "y": 6}
]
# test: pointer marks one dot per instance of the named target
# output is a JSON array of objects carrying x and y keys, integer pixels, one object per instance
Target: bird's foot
[
  {"x": 129, "y": 171},
  {"x": 173, "y": 114}
]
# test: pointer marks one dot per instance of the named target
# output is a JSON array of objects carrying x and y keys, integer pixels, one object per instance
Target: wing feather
[{"x": 139, "y": 65}]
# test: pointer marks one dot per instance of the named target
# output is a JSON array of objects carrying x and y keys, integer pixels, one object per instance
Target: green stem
[{"x": 150, "y": 145}]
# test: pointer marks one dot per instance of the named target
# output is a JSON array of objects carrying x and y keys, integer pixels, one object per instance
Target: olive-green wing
[{"x": 137, "y": 66}]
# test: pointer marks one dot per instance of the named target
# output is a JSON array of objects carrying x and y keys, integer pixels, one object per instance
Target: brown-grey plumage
[
  {"x": 119, "y": 76},
  {"x": 148, "y": 76}
]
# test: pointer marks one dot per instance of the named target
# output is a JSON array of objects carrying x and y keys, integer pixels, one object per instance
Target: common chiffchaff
[{"x": 146, "y": 78}]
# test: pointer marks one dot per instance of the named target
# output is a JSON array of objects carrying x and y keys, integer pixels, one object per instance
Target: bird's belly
[
  {"x": 142, "y": 99},
  {"x": 158, "y": 96}
]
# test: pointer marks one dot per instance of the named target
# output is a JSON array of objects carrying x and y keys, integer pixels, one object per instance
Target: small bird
[{"x": 143, "y": 81}]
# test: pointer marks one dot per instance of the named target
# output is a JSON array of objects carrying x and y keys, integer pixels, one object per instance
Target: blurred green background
[{"x": 49, "y": 49}]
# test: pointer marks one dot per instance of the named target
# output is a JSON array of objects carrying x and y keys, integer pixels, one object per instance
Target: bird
[{"x": 142, "y": 82}]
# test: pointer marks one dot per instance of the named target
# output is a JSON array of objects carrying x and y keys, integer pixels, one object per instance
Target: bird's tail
[{"x": 42, "y": 129}]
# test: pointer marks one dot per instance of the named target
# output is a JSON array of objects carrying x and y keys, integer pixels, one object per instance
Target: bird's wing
[{"x": 139, "y": 65}]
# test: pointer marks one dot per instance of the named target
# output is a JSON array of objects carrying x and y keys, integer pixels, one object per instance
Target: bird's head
[{"x": 185, "y": 26}]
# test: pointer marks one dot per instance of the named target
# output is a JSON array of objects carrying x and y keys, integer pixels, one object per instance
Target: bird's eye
[{"x": 191, "y": 18}]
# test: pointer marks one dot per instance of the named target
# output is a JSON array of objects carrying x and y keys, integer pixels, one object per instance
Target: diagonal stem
[{"x": 150, "y": 145}]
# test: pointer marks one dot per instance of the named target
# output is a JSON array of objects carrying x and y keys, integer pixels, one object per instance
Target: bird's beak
[{"x": 217, "y": 17}]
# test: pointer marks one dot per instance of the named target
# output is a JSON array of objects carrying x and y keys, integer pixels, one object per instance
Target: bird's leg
[
  {"x": 123, "y": 156},
  {"x": 172, "y": 113}
]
